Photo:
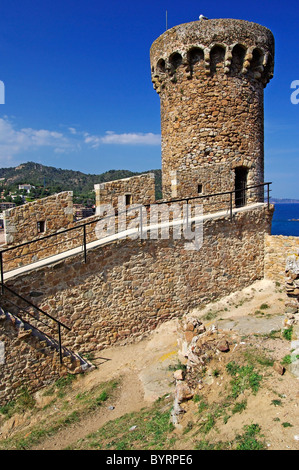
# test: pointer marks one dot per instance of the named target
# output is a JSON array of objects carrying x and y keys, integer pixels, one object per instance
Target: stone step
[{"x": 45, "y": 344}]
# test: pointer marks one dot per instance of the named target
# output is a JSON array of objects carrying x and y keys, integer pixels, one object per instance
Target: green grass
[
  {"x": 289, "y": 358},
  {"x": 177, "y": 366},
  {"x": 256, "y": 357},
  {"x": 207, "y": 424},
  {"x": 248, "y": 440},
  {"x": 243, "y": 377},
  {"x": 287, "y": 333},
  {"x": 151, "y": 428},
  {"x": 8, "y": 409},
  {"x": 211, "y": 314},
  {"x": 264, "y": 307},
  {"x": 239, "y": 407},
  {"x": 276, "y": 402},
  {"x": 61, "y": 385},
  {"x": 72, "y": 412},
  {"x": 206, "y": 445},
  {"x": 22, "y": 403},
  {"x": 202, "y": 406}
]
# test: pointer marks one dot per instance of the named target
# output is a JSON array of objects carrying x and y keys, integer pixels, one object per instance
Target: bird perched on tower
[{"x": 201, "y": 17}]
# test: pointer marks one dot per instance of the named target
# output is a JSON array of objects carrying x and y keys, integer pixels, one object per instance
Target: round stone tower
[{"x": 210, "y": 76}]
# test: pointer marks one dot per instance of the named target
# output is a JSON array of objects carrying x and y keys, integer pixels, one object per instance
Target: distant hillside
[{"x": 54, "y": 180}]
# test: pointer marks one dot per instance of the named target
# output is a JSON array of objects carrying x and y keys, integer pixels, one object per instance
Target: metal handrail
[
  {"x": 97, "y": 219},
  {"x": 123, "y": 212},
  {"x": 59, "y": 323}
]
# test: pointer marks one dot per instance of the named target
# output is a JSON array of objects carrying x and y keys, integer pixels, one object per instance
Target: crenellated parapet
[
  {"x": 231, "y": 47},
  {"x": 210, "y": 76}
]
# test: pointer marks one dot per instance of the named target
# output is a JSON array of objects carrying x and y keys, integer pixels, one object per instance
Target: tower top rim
[{"x": 212, "y": 31}]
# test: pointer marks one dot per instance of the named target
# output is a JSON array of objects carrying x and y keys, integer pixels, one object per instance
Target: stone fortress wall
[
  {"x": 35, "y": 219},
  {"x": 129, "y": 287},
  {"x": 138, "y": 189}
]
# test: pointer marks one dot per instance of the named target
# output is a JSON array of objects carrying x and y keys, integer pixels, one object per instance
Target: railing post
[
  {"x": 140, "y": 225},
  {"x": 231, "y": 205},
  {"x": 59, "y": 343},
  {"x": 1, "y": 269},
  {"x": 268, "y": 195},
  {"x": 84, "y": 243}
]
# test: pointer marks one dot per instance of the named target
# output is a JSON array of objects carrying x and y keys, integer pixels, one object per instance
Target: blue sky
[{"x": 78, "y": 92}]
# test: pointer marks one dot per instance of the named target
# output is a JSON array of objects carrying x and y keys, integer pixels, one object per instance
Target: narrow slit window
[
  {"x": 41, "y": 226},
  {"x": 199, "y": 188},
  {"x": 128, "y": 199}
]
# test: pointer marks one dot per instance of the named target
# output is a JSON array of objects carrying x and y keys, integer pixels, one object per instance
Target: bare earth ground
[{"x": 145, "y": 375}]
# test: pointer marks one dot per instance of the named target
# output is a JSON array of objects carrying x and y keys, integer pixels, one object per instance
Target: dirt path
[
  {"x": 122, "y": 404},
  {"x": 145, "y": 376}
]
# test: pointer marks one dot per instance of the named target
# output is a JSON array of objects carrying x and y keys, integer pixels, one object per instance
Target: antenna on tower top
[{"x": 166, "y": 20}]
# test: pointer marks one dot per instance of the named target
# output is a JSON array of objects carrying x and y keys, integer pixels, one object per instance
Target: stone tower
[{"x": 211, "y": 76}]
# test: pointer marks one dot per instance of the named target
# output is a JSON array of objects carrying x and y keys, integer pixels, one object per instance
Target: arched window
[
  {"x": 195, "y": 55},
  {"x": 175, "y": 60},
  {"x": 257, "y": 60},
  {"x": 238, "y": 54},
  {"x": 161, "y": 65},
  {"x": 216, "y": 58}
]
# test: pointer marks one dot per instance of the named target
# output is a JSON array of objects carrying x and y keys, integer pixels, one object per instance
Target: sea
[{"x": 283, "y": 222}]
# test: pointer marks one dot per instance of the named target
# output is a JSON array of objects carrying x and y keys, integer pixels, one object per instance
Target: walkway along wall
[{"x": 128, "y": 287}]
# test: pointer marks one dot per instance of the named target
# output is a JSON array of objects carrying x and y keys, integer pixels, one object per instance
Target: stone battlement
[{"x": 233, "y": 47}]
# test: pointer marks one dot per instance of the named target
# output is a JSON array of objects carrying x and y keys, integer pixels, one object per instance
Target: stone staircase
[{"x": 43, "y": 343}]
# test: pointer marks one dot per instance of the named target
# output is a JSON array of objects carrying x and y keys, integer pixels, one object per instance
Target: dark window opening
[
  {"x": 257, "y": 61},
  {"x": 41, "y": 226},
  {"x": 161, "y": 65},
  {"x": 175, "y": 60},
  {"x": 238, "y": 56},
  {"x": 128, "y": 199},
  {"x": 195, "y": 55},
  {"x": 199, "y": 188},
  {"x": 216, "y": 58},
  {"x": 240, "y": 186}
]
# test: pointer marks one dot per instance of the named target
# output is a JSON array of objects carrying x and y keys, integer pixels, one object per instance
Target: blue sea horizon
[{"x": 283, "y": 222}]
